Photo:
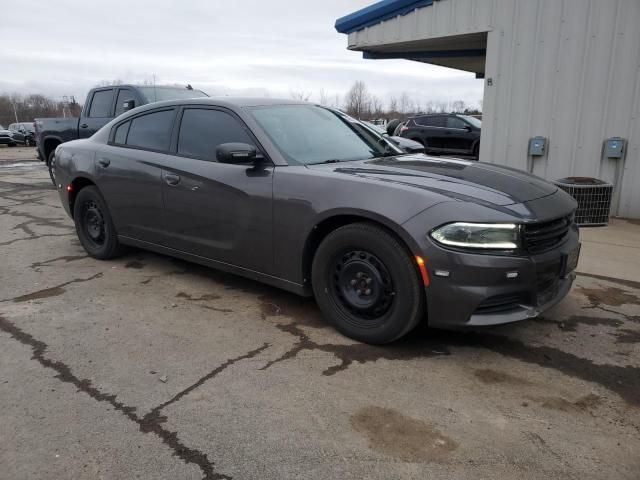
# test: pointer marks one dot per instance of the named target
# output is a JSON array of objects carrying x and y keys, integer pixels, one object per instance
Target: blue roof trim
[{"x": 377, "y": 13}]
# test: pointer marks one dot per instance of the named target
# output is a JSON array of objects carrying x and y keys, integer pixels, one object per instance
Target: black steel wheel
[
  {"x": 362, "y": 285},
  {"x": 366, "y": 283},
  {"x": 94, "y": 225}
]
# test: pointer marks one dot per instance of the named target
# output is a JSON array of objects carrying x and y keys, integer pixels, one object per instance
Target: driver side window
[
  {"x": 202, "y": 130},
  {"x": 455, "y": 122}
]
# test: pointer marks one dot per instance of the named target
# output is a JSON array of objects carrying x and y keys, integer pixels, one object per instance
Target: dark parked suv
[
  {"x": 23, "y": 133},
  {"x": 450, "y": 134}
]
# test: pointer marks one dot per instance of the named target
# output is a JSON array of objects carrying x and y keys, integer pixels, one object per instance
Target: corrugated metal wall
[{"x": 568, "y": 70}]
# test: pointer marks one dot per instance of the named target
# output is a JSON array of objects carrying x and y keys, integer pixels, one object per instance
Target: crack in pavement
[
  {"x": 150, "y": 423},
  {"x": 45, "y": 263},
  {"x": 29, "y": 218},
  {"x": 355, "y": 352},
  {"x": 623, "y": 380},
  {"x": 51, "y": 291}
]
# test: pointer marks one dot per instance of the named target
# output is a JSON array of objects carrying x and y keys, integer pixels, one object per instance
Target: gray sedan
[{"x": 294, "y": 195}]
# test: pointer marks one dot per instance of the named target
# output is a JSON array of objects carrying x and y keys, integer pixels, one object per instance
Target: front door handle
[
  {"x": 84, "y": 125},
  {"x": 172, "y": 178},
  {"x": 104, "y": 162}
]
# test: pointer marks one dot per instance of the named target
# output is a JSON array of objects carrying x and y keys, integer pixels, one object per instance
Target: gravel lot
[{"x": 149, "y": 367}]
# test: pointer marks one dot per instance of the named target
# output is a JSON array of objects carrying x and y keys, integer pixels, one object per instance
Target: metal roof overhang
[
  {"x": 376, "y": 13},
  {"x": 463, "y": 52}
]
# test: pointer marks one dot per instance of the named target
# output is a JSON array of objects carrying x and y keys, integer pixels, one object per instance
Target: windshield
[
  {"x": 27, "y": 126},
  {"x": 308, "y": 134},
  {"x": 472, "y": 120},
  {"x": 158, "y": 94}
]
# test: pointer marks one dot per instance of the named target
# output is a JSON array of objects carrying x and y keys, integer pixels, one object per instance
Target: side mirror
[
  {"x": 236, "y": 153},
  {"x": 467, "y": 128},
  {"x": 128, "y": 105}
]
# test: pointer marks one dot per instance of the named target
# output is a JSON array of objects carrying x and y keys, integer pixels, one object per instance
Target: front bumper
[
  {"x": 479, "y": 291},
  {"x": 7, "y": 140}
]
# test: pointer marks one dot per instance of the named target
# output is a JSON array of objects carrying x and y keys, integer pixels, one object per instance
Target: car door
[
  {"x": 99, "y": 113},
  {"x": 459, "y": 136},
  {"x": 129, "y": 170},
  {"x": 20, "y": 134},
  {"x": 216, "y": 210},
  {"x": 15, "y": 133},
  {"x": 432, "y": 132}
]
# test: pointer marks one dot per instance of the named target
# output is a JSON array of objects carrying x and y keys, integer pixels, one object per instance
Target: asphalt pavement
[{"x": 154, "y": 368}]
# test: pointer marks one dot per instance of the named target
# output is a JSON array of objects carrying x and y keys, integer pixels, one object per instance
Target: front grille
[
  {"x": 502, "y": 303},
  {"x": 539, "y": 237}
]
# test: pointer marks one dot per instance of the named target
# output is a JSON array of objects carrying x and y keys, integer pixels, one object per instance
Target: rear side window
[
  {"x": 430, "y": 121},
  {"x": 101, "y": 104},
  {"x": 202, "y": 130},
  {"x": 120, "y": 137},
  {"x": 151, "y": 131},
  {"x": 124, "y": 95}
]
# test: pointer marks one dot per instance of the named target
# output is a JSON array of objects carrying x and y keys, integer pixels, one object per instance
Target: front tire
[
  {"x": 94, "y": 225},
  {"x": 366, "y": 284}
]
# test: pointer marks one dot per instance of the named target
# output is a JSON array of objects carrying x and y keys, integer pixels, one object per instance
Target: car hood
[
  {"x": 406, "y": 142},
  {"x": 5, "y": 132},
  {"x": 457, "y": 179}
]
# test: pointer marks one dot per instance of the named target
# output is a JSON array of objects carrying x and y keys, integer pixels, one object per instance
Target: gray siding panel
[{"x": 568, "y": 70}]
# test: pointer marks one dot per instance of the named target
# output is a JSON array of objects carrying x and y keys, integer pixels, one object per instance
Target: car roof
[{"x": 225, "y": 101}]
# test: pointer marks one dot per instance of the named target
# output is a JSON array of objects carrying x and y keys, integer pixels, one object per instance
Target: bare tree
[
  {"x": 376, "y": 106},
  {"x": 393, "y": 104},
  {"x": 405, "y": 102},
  {"x": 26, "y": 108},
  {"x": 357, "y": 99},
  {"x": 458, "y": 106},
  {"x": 324, "y": 97},
  {"x": 300, "y": 95}
]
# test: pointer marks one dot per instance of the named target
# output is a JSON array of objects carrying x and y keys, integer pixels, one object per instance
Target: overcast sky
[{"x": 253, "y": 47}]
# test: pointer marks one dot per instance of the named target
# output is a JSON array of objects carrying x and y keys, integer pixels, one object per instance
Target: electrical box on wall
[
  {"x": 614, "y": 147},
  {"x": 537, "y": 146}
]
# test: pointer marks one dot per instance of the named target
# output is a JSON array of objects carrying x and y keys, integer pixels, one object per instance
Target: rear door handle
[
  {"x": 84, "y": 125},
  {"x": 104, "y": 162},
  {"x": 171, "y": 178}
]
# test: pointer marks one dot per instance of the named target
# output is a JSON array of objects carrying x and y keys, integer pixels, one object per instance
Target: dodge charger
[{"x": 298, "y": 196}]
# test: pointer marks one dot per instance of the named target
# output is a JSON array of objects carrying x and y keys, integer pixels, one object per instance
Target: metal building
[{"x": 564, "y": 70}]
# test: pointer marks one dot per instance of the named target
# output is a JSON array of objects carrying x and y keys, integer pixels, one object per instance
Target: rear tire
[
  {"x": 12, "y": 144},
  {"x": 94, "y": 225},
  {"x": 51, "y": 165},
  {"x": 367, "y": 285},
  {"x": 476, "y": 151}
]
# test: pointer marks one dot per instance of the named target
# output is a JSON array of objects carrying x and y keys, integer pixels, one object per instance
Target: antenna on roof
[{"x": 189, "y": 87}]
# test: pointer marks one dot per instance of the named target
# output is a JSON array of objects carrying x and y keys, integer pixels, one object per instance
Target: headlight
[{"x": 499, "y": 236}]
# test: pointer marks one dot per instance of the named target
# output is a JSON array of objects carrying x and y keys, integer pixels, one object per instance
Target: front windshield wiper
[{"x": 332, "y": 160}]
